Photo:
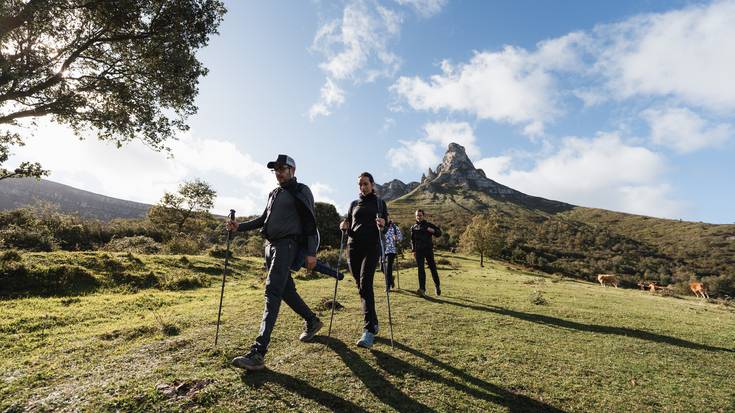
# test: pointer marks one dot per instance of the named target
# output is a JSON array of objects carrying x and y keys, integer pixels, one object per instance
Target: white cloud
[
  {"x": 135, "y": 172},
  {"x": 683, "y": 53},
  {"x": 356, "y": 47},
  {"x": 511, "y": 86},
  {"x": 425, "y": 8},
  {"x": 683, "y": 130},
  {"x": 417, "y": 154},
  {"x": 445, "y": 133},
  {"x": 362, "y": 34},
  {"x": 322, "y": 193},
  {"x": 602, "y": 172},
  {"x": 494, "y": 166},
  {"x": 420, "y": 154},
  {"x": 331, "y": 96},
  {"x": 676, "y": 58}
]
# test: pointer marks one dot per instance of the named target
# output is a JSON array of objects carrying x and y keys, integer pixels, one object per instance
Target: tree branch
[
  {"x": 10, "y": 23},
  {"x": 56, "y": 78},
  {"x": 39, "y": 111}
]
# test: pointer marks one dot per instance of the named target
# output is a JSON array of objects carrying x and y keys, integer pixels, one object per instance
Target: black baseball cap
[{"x": 282, "y": 160}]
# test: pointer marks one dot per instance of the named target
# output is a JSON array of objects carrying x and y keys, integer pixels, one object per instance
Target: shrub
[
  {"x": 537, "y": 298},
  {"x": 32, "y": 239},
  {"x": 330, "y": 255},
  {"x": 183, "y": 280},
  {"x": 10, "y": 256},
  {"x": 16, "y": 279},
  {"x": 124, "y": 279},
  {"x": 443, "y": 261},
  {"x": 217, "y": 252},
  {"x": 181, "y": 245},
  {"x": 138, "y": 244}
]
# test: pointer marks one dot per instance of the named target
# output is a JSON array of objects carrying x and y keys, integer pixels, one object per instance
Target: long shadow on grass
[
  {"x": 381, "y": 388},
  {"x": 300, "y": 387},
  {"x": 573, "y": 325},
  {"x": 482, "y": 390}
]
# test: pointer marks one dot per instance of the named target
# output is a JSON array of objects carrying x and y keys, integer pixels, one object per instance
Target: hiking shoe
[
  {"x": 340, "y": 276},
  {"x": 251, "y": 361},
  {"x": 421, "y": 292},
  {"x": 310, "y": 329},
  {"x": 367, "y": 339},
  {"x": 438, "y": 291}
]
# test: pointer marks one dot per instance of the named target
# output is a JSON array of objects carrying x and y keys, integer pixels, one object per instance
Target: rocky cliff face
[
  {"x": 394, "y": 189},
  {"x": 456, "y": 172}
]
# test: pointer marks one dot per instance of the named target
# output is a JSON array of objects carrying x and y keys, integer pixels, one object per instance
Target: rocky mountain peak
[
  {"x": 394, "y": 189},
  {"x": 455, "y": 160},
  {"x": 457, "y": 170}
]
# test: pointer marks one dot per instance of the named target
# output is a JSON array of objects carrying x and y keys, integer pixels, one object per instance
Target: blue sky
[{"x": 624, "y": 105}]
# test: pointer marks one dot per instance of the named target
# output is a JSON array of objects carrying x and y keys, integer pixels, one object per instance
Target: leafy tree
[
  {"x": 126, "y": 69},
  {"x": 483, "y": 237},
  {"x": 25, "y": 169},
  {"x": 187, "y": 210},
  {"x": 327, "y": 221}
]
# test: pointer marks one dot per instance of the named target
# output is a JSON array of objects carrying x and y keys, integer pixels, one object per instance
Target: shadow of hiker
[
  {"x": 381, "y": 388},
  {"x": 573, "y": 325},
  {"x": 300, "y": 387},
  {"x": 482, "y": 390}
]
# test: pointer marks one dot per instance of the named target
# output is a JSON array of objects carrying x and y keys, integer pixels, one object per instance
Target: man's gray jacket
[{"x": 289, "y": 213}]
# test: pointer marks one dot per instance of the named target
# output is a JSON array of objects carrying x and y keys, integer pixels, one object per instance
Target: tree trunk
[{"x": 481, "y": 265}]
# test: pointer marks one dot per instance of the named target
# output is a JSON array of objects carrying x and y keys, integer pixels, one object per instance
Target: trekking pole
[
  {"x": 224, "y": 275},
  {"x": 387, "y": 284},
  {"x": 336, "y": 282}
]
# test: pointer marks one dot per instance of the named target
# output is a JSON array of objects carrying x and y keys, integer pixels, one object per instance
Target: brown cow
[
  {"x": 698, "y": 289},
  {"x": 608, "y": 279}
]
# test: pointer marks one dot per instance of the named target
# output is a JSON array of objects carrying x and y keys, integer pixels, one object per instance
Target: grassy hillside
[
  {"x": 711, "y": 247},
  {"x": 499, "y": 339},
  {"x": 584, "y": 242}
]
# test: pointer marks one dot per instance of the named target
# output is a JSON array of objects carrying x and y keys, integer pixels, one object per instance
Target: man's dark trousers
[
  {"x": 280, "y": 286},
  {"x": 427, "y": 255}
]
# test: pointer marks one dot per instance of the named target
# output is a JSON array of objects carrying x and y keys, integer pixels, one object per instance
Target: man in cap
[{"x": 289, "y": 225}]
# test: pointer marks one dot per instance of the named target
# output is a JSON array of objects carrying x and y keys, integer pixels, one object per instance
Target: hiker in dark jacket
[
  {"x": 289, "y": 225},
  {"x": 423, "y": 249},
  {"x": 364, "y": 217}
]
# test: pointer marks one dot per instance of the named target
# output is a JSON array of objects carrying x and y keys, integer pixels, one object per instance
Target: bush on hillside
[
  {"x": 16, "y": 279},
  {"x": 181, "y": 245},
  {"x": 10, "y": 256},
  {"x": 138, "y": 244},
  {"x": 182, "y": 280},
  {"x": 29, "y": 238}
]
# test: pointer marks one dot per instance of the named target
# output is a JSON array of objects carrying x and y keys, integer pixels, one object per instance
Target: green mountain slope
[{"x": 576, "y": 241}]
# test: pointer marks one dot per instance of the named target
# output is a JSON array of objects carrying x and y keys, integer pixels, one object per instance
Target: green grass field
[{"x": 499, "y": 339}]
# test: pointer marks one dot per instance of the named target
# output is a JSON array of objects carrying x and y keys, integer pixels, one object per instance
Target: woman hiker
[
  {"x": 366, "y": 216},
  {"x": 393, "y": 235}
]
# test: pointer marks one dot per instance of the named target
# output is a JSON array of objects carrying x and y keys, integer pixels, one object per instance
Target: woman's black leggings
[{"x": 363, "y": 262}]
